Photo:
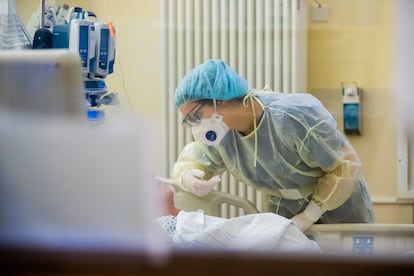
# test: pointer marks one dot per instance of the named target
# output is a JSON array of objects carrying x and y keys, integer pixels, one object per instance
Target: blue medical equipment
[
  {"x": 81, "y": 39},
  {"x": 105, "y": 50},
  {"x": 351, "y": 96},
  {"x": 77, "y": 34},
  {"x": 95, "y": 43}
]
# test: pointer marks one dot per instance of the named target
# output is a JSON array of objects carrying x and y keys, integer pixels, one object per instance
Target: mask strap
[
  {"x": 215, "y": 106},
  {"x": 251, "y": 97}
]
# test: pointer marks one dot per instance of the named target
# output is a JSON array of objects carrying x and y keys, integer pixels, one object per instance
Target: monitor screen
[{"x": 46, "y": 82}]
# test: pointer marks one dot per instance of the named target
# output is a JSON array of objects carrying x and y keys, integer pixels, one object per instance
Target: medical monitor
[
  {"x": 63, "y": 181},
  {"x": 46, "y": 82}
]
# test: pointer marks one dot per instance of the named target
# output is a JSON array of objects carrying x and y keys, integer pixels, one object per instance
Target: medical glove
[
  {"x": 194, "y": 182},
  {"x": 308, "y": 217}
]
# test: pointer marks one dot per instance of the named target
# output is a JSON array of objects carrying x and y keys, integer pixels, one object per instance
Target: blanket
[{"x": 262, "y": 231}]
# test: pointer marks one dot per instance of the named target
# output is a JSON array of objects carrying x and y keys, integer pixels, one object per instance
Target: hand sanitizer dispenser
[{"x": 351, "y": 96}]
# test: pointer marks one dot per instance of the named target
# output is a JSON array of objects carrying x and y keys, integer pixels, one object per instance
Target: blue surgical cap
[{"x": 213, "y": 79}]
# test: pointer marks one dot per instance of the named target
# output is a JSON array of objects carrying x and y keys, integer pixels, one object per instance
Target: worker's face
[
  {"x": 205, "y": 121},
  {"x": 195, "y": 111}
]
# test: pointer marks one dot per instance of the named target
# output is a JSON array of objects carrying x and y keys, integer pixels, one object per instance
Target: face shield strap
[{"x": 251, "y": 97}]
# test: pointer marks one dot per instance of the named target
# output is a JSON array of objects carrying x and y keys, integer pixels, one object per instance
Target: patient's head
[{"x": 167, "y": 199}]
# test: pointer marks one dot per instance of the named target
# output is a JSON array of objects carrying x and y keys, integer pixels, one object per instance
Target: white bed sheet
[{"x": 263, "y": 231}]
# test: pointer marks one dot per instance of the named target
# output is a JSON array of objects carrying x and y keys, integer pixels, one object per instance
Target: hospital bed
[{"x": 355, "y": 238}]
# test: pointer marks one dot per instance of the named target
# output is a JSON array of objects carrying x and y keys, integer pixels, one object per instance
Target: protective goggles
[{"x": 193, "y": 117}]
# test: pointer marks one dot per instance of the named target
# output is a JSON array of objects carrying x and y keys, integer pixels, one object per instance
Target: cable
[
  {"x": 112, "y": 29},
  {"x": 124, "y": 83},
  {"x": 317, "y": 2}
]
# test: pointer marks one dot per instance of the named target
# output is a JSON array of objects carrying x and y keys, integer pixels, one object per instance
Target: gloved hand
[
  {"x": 308, "y": 217},
  {"x": 194, "y": 182}
]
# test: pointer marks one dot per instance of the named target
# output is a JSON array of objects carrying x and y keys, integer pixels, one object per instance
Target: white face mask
[{"x": 210, "y": 131}]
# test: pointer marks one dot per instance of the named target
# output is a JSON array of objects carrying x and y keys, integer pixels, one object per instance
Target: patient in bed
[{"x": 262, "y": 231}]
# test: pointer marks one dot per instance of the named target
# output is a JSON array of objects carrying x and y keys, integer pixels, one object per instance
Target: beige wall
[
  {"x": 354, "y": 45},
  {"x": 137, "y": 66},
  {"x": 138, "y": 35},
  {"x": 136, "y": 76}
]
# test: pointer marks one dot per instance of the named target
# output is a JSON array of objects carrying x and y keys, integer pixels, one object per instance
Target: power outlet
[{"x": 363, "y": 245}]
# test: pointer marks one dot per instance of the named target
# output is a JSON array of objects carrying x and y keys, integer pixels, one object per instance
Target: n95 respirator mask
[{"x": 210, "y": 131}]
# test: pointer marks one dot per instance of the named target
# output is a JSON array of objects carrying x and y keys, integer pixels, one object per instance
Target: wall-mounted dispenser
[{"x": 351, "y": 97}]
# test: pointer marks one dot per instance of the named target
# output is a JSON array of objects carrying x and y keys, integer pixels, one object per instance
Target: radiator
[{"x": 265, "y": 41}]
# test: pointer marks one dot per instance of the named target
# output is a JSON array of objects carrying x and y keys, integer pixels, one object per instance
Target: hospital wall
[{"x": 355, "y": 44}]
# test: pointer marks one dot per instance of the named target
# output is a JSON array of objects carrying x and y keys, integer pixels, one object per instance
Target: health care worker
[{"x": 286, "y": 145}]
